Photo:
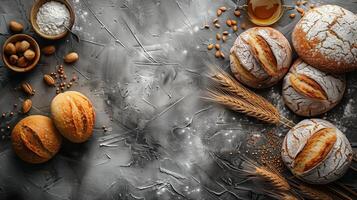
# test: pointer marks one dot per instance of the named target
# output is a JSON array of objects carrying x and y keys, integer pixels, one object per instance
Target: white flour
[{"x": 51, "y": 17}]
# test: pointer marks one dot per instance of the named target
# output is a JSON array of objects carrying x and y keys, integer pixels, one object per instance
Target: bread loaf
[
  {"x": 35, "y": 139},
  {"x": 326, "y": 39},
  {"x": 309, "y": 92},
  {"x": 316, "y": 151},
  {"x": 73, "y": 115},
  {"x": 260, "y": 57}
]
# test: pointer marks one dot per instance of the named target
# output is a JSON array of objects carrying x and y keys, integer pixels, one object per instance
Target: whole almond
[
  {"x": 217, "y": 25},
  {"x": 218, "y": 36},
  {"x": 10, "y": 49},
  {"x": 217, "y": 54},
  {"x": 26, "y": 106},
  {"x": 223, "y": 8},
  {"x": 219, "y": 12},
  {"x": 49, "y": 80},
  {"x": 292, "y": 15},
  {"x": 234, "y": 22},
  {"x": 27, "y": 88},
  {"x": 217, "y": 46},
  {"x": 229, "y": 22},
  {"x": 49, "y": 50},
  {"x": 300, "y": 10},
  {"x": 16, "y": 27},
  {"x": 210, "y": 46},
  {"x": 29, "y": 54},
  {"x": 22, "y": 62},
  {"x": 235, "y": 28},
  {"x": 237, "y": 13},
  {"x": 71, "y": 57},
  {"x": 22, "y": 46},
  {"x": 13, "y": 59}
]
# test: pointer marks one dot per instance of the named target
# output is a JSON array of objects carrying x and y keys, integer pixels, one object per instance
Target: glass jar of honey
[{"x": 264, "y": 12}]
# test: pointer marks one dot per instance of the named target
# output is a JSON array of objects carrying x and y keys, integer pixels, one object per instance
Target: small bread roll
[
  {"x": 309, "y": 92},
  {"x": 326, "y": 39},
  {"x": 316, "y": 151},
  {"x": 260, "y": 57},
  {"x": 73, "y": 115},
  {"x": 35, "y": 139}
]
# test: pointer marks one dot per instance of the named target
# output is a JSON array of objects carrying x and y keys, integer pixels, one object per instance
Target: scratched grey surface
[{"x": 141, "y": 63}]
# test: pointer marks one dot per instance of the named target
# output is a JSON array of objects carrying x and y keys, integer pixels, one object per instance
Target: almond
[
  {"x": 26, "y": 106},
  {"x": 292, "y": 15},
  {"x": 210, "y": 46},
  {"x": 217, "y": 46},
  {"x": 224, "y": 38},
  {"x": 234, "y": 22},
  {"x": 29, "y": 54},
  {"x": 49, "y": 80},
  {"x": 300, "y": 10},
  {"x": 223, "y": 8},
  {"x": 71, "y": 57},
  {"x": 237, "y": 13},
  {"x": 217, "y": 54},
  {"x": 22, "y": 62},
  {"x": 27, "y": 88},
  {"x": 22, "y": 46},
  {"x": 49, "y": 50},
  {"x": 229, "y": 22},
  {"x": 219, "y": 12},
  {"x": 16, "y": 27},
  {"x": 225, "y": 33},
  {"x": 215, "y": 21},
  {"x": 217, "y": 25},
  {"x": 317, "y": 147},
  {"x": 235, "y": 28},
  {"x": 13, "y": 59},
  {"x": 307, "y": 87},
  {"x": 10, "y": 49},
  {"x": 218, "y": 36}
]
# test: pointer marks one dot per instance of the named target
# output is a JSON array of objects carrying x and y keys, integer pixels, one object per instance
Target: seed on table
[
  {"x": 300, "y": 10},
  {"x": 224, "y": 38},
  {"x": 237, "y": 13},
  {"x": 223, "y": 8},
  {"x": 210, "y": 46},
  {"x": 218, "y": 54},
  {"x": 215, "y": 21},
  {"x": 217, "y": 25},
  {"x": 222, "y": 54},
  {"x": 218, "y": 36},
  {"x": 225, "y": 33},
  {"x": 219, "y": 12},
  {"x": 229, "y": 22},
  {"x": 217, "y": 46},
  {"x": 234, "y": 22},
  {"x": 292, "y": 15},
  {"x": 235, "y": 28}
]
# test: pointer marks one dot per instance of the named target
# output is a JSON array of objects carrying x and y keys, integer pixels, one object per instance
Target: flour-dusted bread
[
  {"x": 326, "y": 38},
  {"x": 308, "y": 91},
  {"x": 35, "y": 139},
  {"x": 316, "y": 151},
  {"x": 260, "y": 57},
  {"x": 73, "y": 115}
]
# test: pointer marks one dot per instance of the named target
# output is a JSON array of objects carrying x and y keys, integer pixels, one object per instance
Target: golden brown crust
[
  {"x": 35, "y": 139},
  {"x": 307, "y": 86},
  {"x": 73, "y": 115},
  {"x": 315, "y": 150}
]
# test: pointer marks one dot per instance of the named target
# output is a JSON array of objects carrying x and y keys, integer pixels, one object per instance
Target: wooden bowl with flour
[{"x": 51, "y": 26}]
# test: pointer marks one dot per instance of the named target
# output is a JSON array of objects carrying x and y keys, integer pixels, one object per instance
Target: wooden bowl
[
  {"x": 33, "y": 45},
  {"x": 34, "y": 10}
]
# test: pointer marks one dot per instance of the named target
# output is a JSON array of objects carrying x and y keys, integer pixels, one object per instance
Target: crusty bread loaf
[
  {"x": 308, "y": 91},
  {"x": 260, "y": 57},
  {"x": 316, "y": 151},
  {"x": 73, "y": 115},
  {"x": 326, "y": 39},
  {"x": 35, "y": 139}
]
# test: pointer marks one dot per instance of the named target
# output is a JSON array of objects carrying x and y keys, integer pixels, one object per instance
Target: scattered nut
[
  {"x": 49, "y": 80},
  {"x": 229, "y": 22},
  {"x": 215, "y": 21},
  {"x": 210, "y": 46},
  {"x": 22, "y": 62},
  {"x": 49, "y": 50},
  {"x": 71, "y": 57},
  {"x": 300, "y": 10},
  {"x": 217, "y": 54},
  {"x": 16, "y": 27},
  {"x": 225, "y": 33},
  {"x": 219, "y": 12},
  {"x": 29, "y": 54},
  {"x": 217, "y": 46},
  {"x": 234, "y": 22},
  {"x": 224, "y": 38},
  {"x": 292, "y": 15},
  {"x": 10, "y": 49},
  {"x": 13, "y": 59},
  {"x": 223, "y": 8},
  {"x": 235, "y": 28},
  {"x": 217, "y": 25},
  {"x": 237, "y": 13},
  {"x": 27, "y": 88},
  {"x": 218, "y": 36},
  {"x": 26, "y": 106}
]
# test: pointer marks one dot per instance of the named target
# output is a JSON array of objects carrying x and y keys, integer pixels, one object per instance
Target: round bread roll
[
  {"x": 326, "y": 38},
  {"x": 73, "y": 115},
  {"x": 316, "y": 151},
  {"x": 35, "y": 139},
  {"x": 309, "y": 92},
  {"x": 260, "y": 57}
]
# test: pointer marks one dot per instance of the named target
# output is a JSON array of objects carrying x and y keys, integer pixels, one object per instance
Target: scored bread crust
[
  {"x": 35, "y": 139},
  {"x": 325, "y": 93},
  {"x": 302, "y": 145},
  {"x": 326, "y": 38},
  {"x": 260, "y": 57},
  {"x": 73, "y": 115}
]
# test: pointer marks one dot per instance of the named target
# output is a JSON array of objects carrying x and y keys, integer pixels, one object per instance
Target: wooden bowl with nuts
[
  {"x": 21, "y": 53},
  {"x": 63, "y": 7}
]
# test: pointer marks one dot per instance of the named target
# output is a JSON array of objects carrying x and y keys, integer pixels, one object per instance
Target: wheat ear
[
  {"x": 275, "y": 179},
  {"x": 313, "y": 193}
]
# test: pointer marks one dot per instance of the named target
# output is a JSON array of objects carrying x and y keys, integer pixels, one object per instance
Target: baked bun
[
  {"x": 316, "y": 151},
  {"x": 260, "y": 57},
  {"x": 35, "y": 139},
  {"x": 326, "y": 39},
  {"x": 309, "y": 92},
  {"x": 73, "y": 115}
]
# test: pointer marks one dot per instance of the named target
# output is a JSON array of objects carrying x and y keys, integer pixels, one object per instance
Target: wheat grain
[
  {"x": 275, "y": 179},
  {"x": 313, "y": 193},
  {"x": 242, "y": 106}
]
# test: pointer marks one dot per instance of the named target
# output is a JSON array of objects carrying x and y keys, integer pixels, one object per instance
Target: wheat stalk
[
  {"x": 243, "y": 106},
  {"x": 313, "y": 193},
  {"x": 275, "y": 179}
]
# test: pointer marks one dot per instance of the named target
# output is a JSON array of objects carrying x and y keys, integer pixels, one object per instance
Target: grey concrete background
[{"x": 141, "y": 63}]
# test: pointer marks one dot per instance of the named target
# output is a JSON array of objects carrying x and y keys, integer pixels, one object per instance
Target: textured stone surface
[{"x": 163, "y": 142}]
